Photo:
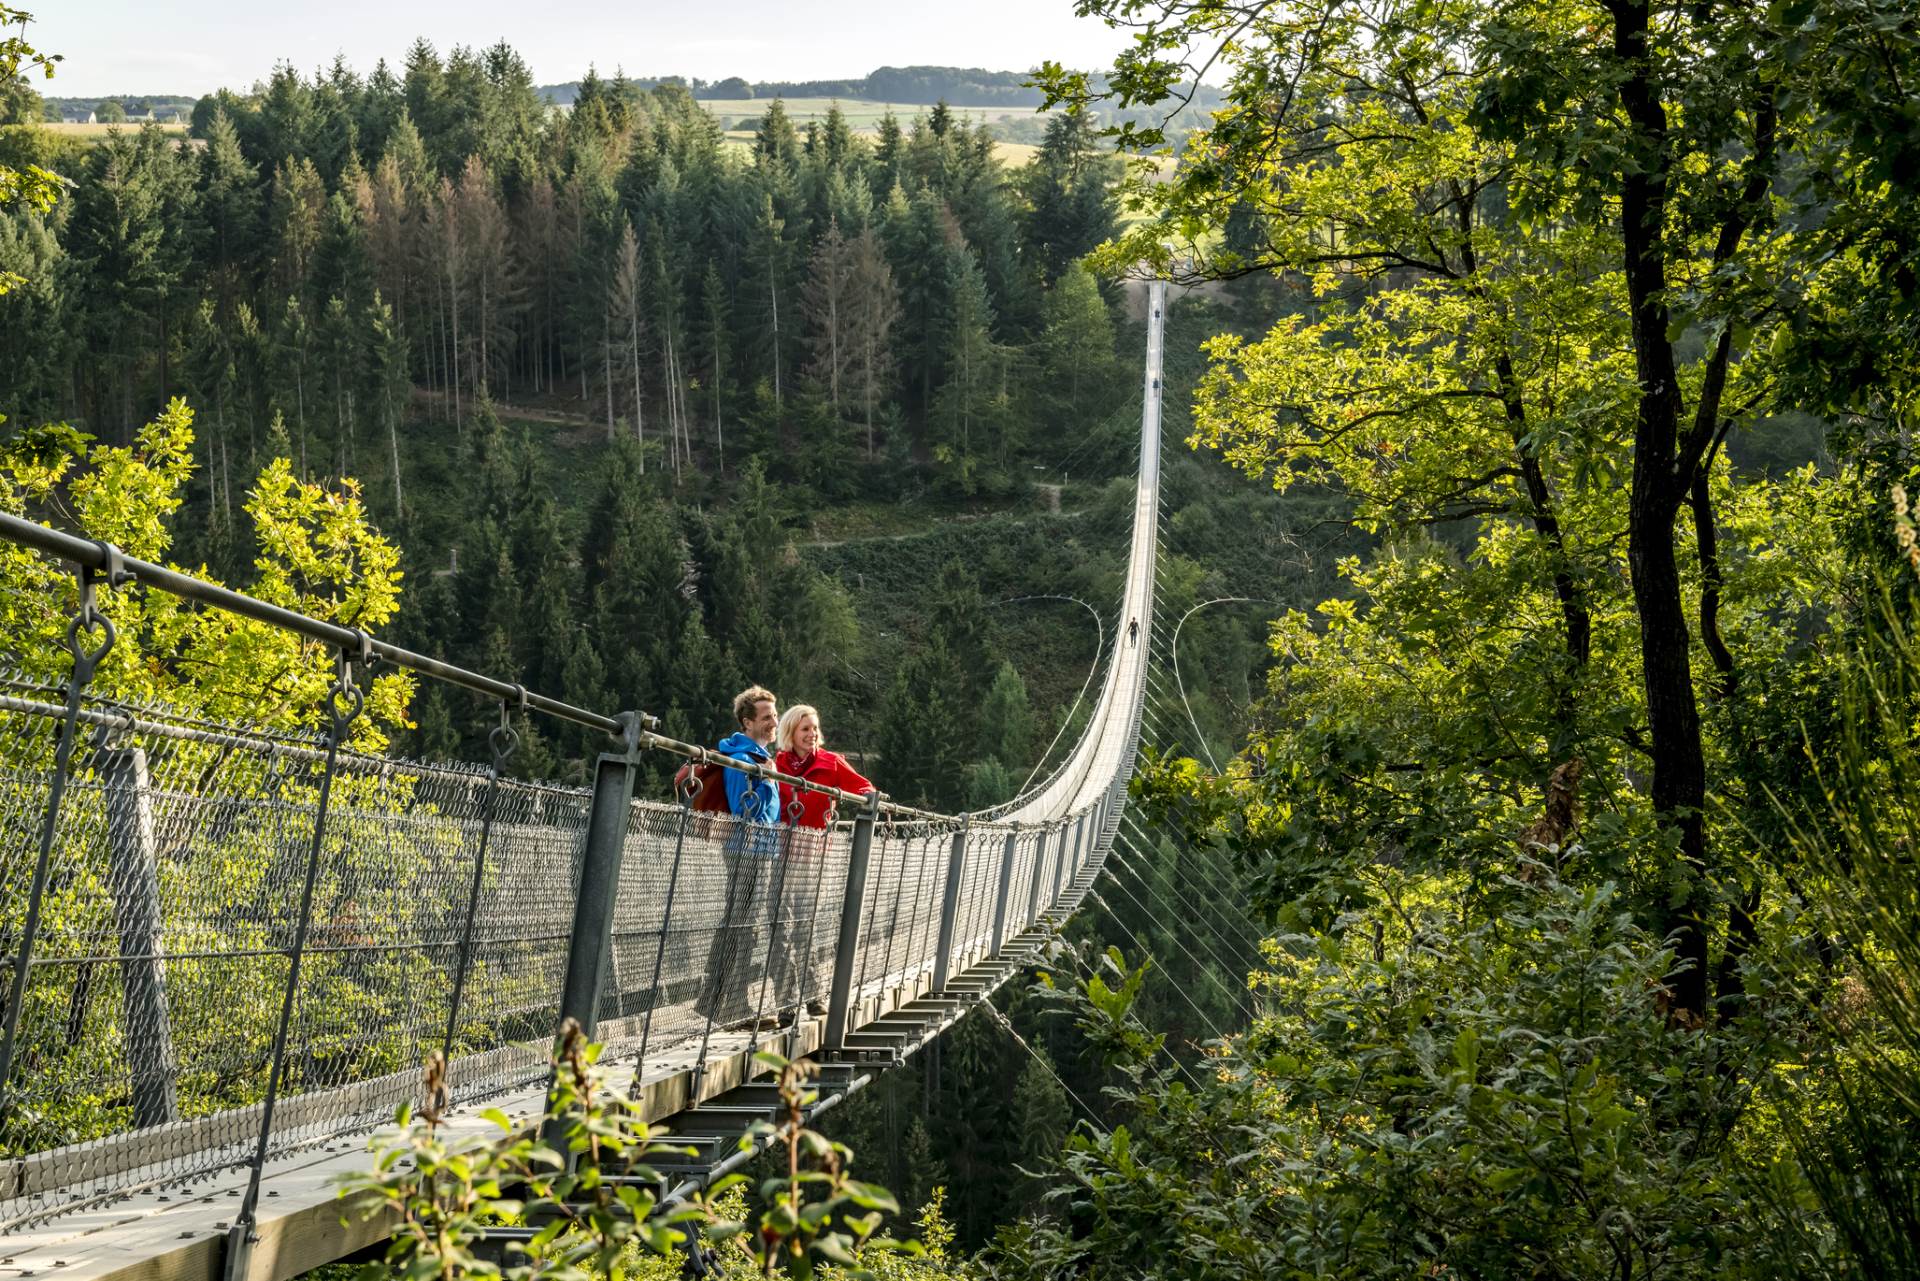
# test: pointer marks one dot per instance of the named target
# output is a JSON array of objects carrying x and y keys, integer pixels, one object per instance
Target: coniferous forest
[
  {"x": 573, "y": 358},
  {"x": 1518, "y": 877}
]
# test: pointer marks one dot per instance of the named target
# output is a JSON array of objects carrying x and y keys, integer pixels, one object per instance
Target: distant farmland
[
  {"x": 95, "y": 132},
  {"x": 860, "y": 114}
]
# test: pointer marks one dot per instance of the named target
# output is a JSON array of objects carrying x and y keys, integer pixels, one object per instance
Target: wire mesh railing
[{"x": 439, "y": 912}]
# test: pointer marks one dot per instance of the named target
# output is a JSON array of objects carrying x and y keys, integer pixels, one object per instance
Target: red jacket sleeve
[{"x": 847, "y": 778}]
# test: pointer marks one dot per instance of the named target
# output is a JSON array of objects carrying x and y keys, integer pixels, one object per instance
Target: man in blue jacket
[
  {"x": 757, "y": 800},
  {"x": 735, "y": 959}
]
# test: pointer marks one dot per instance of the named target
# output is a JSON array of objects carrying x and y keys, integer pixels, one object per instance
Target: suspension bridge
[{"x": 226, "y": 951}]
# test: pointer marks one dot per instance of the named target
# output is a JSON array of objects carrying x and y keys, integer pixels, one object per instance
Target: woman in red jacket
[
  {"x": 804, "y": 755},
  {"x": 801, "y": 753}
]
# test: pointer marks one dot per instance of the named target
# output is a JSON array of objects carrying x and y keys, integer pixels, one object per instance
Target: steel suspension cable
[{"x": 1111, "y": 868}]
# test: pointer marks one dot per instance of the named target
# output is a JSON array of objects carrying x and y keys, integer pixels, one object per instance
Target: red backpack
[{"x": 706, "y": 783}]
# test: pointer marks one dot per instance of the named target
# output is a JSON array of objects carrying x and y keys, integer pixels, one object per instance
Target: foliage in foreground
[
  {"x": 1440, "y": 1093},
  {"x": 583, "y": 1187},
  {"x": 1858, "y": 1131},
  {"x": 315, "y": 550}
]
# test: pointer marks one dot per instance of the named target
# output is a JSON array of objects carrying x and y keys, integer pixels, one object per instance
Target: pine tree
[
  {"x": 211, "y": 379},
  {"x": 391, "y": 235},
  {"x": 388, "y": 363},
  {"x": 714, "y": 336},
  {"x": 36, "y": 344},
  {"x": 297, "y": 212},
  {"x": 1006, "y": 720},
  {"x": 876, "y": 312},
  {"x": 127, "y": 242},
  {"x": 341, "y": 266},
  {"x": 967, "y": 413},
  {"x": 828, "y": 304},
  {"x": 1069, "y": 190},
  {"x": 887, "y": 153},
  {"x": 230, "y": 210},
  {"x": 923, "y": 729},
  {"x": 769, "y": 262},
  {"x": 836, "y": 138},
  {"x": 775, "y": 142},
  {"x": 342, "y": 350},
  {"x": 486, "y": 265},
  {"x": 923, "y": 1169},
  {"x": 626, "y": 322},
  {"x": 1040, "y": 1112},
  {"x": 1078, "y": 340},
  {"x": 540, "y": 240},
  {"x": 921, "y": 239},
  {"x": 286, "y": 115},
  {"x": 292, "y": 355}
]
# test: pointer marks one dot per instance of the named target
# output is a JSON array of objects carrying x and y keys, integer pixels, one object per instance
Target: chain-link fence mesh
[
  {"x": 171, "y": 908},
  {"x": 167, "y": 923}
]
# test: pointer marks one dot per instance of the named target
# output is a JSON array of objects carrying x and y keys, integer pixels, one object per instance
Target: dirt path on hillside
[
  {"x": 1053, "y": 509},
  {"x": 504, "y": 410}
]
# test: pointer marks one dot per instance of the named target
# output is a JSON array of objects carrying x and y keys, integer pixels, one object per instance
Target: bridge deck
[{"x": 178, "y": 1232}]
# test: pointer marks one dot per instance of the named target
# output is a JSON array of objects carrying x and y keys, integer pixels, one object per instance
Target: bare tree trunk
[
  {"x": 719, "y": 431},
  {"x": 666, "y": 377},
  {"x": 300, "y": 409},
  {"x": 453, "y": 310},
  {"x": 1679, "y": 759},
  {"x": 393, "y": 441},
  {"x": 606, "y": 349},
  {"x": 639, "y": 410}
]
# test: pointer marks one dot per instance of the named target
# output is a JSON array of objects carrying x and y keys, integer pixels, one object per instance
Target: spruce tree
[
  {"x": 230, "y": 212},
  {"x": 1006, "y": 720}
]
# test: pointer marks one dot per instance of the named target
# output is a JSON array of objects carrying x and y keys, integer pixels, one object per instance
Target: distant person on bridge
[
  {"x": 802, "y": 753},
  {"x": 750, "y": 853}
]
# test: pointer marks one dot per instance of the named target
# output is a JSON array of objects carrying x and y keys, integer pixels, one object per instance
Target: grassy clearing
[
  {"x": 860, "y": 113},
  {"x": 96, "y": 132},
  {"x": 1012, "y": 154}
]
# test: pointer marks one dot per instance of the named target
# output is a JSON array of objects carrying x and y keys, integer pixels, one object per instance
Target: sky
[{"x": 196, "y": 46}]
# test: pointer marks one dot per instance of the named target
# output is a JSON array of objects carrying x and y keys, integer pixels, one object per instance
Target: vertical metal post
[
  {"x": 1068, "y": 844},
  {"x": 848, "y": 945},
  {"x": 134, "y": 880},
  {"x": 1039, "y": 870},
  {"x": 950, "y": 906},
  {"x": 1006, "y": 889},
  {"x": 1080, "y": 848},
  {"x": 591, "y": 942},
  {"x": 593, "y": 904}
]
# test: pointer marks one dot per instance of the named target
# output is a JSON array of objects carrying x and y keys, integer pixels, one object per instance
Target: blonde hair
[
  {"x": 790, "y": 724},
  {"x": 746, "y": 702}
]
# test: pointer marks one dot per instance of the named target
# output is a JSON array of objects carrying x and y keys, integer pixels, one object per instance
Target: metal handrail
[{"x": 635, "y": 728}]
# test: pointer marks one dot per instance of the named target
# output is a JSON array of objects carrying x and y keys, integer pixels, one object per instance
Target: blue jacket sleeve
[{"x": 740, "y": 798}]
